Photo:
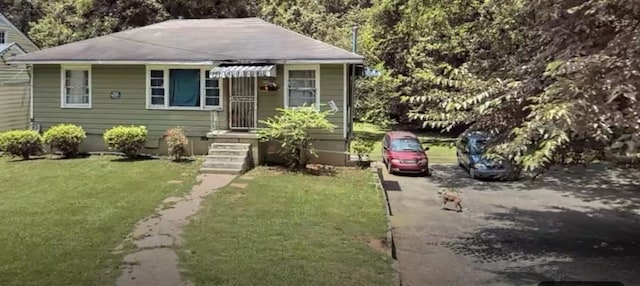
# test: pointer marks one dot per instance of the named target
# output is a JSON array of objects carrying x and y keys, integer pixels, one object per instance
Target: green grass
[
  {"x": 440, "y": 151},
  {"x": 59, "y": 219},
  {"x": 290, "y": 229}
]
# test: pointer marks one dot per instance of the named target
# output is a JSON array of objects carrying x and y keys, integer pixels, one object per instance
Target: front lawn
[
  {"x": 60, "y": 219},
  {"x": 440, "y": 145},
  {"x": 290, "y": 229}
]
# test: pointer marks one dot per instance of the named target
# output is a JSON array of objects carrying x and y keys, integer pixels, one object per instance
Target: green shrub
[
  {"x": 21, "y": 143},
  {"x": 177, "y": 142},
  {"x": 65, "y": 138},
  {"x": 126, "y": 139},
  {"x": 362, "y": 147},
  {"x": 291, "y": 128}
]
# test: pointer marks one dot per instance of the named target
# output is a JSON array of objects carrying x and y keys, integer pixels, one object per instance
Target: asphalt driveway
[{"x": 571, "y": 224}]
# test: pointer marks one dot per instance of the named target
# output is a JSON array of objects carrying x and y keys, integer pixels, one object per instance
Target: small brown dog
[{"x": 451, "y": 196}]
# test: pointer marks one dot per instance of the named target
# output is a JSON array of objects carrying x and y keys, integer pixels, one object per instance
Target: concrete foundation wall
[{"x": 329, "y": 151}]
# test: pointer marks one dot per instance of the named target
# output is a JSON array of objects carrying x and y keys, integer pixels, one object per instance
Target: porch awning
[{"x": 243, "y": 71}]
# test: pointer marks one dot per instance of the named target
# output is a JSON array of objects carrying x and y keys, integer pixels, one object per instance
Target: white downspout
[{"x": 30, "y": 73}]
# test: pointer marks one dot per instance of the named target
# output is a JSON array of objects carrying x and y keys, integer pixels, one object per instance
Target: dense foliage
[
  {"x": 126, "y": 139},
  {"x": 293, "y": 128},
  {"x": 21, "y": 143},
  {"x": 65, "y": 138},
  {"x": 176, "y": 143}
]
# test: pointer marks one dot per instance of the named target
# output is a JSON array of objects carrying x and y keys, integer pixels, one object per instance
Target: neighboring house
[
  {"x": 14, "y": 79},
  {"x": 216, "y": 77}
]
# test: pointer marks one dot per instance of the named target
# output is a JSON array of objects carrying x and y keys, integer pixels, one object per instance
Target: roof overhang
[
  {"x": 5, "y": 48},
  {"x": 243, "y": 71},
  {"x": 186, "y": 63}
]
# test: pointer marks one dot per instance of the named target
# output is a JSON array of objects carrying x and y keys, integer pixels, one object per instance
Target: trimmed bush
[
  {"x": 177, "y": 142},
  {"x": 21, "y": 143},
  {"x": 126, "y": 139},
  {"x": 65, "y": 138}
]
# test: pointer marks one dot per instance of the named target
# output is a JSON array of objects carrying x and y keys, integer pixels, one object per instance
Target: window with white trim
[
  {"x": 211, "y": 90},
  {"x": 303, "y": 86},
  {"x": 3, "y": 37},
  {"x": 182, "y": 88},
  {"x": 76, "y": 86}
]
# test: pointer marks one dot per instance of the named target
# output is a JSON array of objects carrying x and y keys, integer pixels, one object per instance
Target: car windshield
[
  {"x": 478, "y": 147},
  {"x": 406, "y": 144}
]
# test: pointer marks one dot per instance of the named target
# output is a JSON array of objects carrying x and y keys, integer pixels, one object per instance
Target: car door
[{"x": 463, "y": 152}]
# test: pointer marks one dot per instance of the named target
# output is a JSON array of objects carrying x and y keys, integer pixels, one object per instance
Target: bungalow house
[
  {"x": 14, "y": 79},
  {"x": 215, "y": 77}
]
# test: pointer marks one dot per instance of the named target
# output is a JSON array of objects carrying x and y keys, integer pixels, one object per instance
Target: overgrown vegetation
[
  {"x": 177, "y": 143},
  {"x": 362, "y": 147},
  {"x": 21, "y": 143},
  {"x": 293, "y": 128},
  {"x": 65, "y": 138},
  {"x": 126, "y": 139}
]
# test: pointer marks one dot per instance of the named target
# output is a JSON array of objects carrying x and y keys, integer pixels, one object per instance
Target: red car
[{"x": 402, "y": 152}]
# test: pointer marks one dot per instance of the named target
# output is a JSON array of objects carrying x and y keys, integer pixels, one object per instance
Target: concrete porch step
[
  {"x": 223, "y": 165},
  {"x": 228, "y": 152},
  {"x": 226, "y": 158},
  {"x": 231, "y": 146},
  {"x": 220, "y": 171}
]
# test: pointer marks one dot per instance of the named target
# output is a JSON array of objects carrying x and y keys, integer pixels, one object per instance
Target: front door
[{"x": 242, "y": 103}]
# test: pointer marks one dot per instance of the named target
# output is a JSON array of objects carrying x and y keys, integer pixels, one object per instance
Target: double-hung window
[
  {"x": 303, "y": 86},
  {"x": 182, "y": 88},
  {"x": 76, "y": 87},
  {"x": 3, "y": 37}
]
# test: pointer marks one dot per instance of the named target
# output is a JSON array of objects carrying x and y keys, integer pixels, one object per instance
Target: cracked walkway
[{"x": 155, "y": 261}]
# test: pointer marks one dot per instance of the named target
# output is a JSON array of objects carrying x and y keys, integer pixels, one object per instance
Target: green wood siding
[
  {"x": 14, "y": 107},
  {"x": 14, "y": 83},
  {"x": 331, "y": 88},
  {"x": 105, "y": 113},
  {"x": 130, "y": 80},
  {"x": 15, "y": 36}
]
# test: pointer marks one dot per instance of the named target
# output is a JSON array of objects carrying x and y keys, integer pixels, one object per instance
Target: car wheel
[
  {"x": 389, "y": 168},
  {"x": 472, "y": 173}
]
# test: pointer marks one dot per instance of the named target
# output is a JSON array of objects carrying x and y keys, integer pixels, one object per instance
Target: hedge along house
[
  {"x": 14, "y": 78},
  {"x": 217, "y": 78}
]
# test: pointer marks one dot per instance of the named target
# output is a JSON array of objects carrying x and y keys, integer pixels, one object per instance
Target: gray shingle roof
[{"x": 242, "y": 40}]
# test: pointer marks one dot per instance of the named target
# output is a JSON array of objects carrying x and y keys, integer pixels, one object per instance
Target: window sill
[
  {"x": 79, "y": 106},
  {"x": 185, "y": 108}
]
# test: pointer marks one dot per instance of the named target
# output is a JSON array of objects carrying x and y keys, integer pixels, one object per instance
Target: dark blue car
[{"x": 470, "y": 149}]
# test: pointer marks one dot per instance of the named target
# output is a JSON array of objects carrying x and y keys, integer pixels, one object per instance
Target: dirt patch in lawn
[
  {"x": 379, "y": 245},
  {"x": 154, "y": 261}
]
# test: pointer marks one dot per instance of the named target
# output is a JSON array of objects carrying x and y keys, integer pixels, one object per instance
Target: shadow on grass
[
  {"x": 530, "y": 246},
  {"x": 135, "y": 159},
  {"x": 310, "y": 170},
  {"x": 19, "y": 159},
  {"x": 78, "y": 156}
]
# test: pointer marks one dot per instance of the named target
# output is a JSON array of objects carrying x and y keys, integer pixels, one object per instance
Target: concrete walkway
[{"x": 155, "y": 262}]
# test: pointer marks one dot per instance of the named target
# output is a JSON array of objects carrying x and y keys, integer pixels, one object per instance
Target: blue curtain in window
[{"x": 184, "y": 88}]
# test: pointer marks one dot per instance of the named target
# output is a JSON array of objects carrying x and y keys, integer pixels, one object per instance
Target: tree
[
  {"x": 190, "y": 9},
  {"x": 555, "y": 81},
  {"x": 65, "y": 21}
]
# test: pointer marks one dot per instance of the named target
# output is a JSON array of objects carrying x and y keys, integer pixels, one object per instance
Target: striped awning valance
[{"x": 243, "y": 71}]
